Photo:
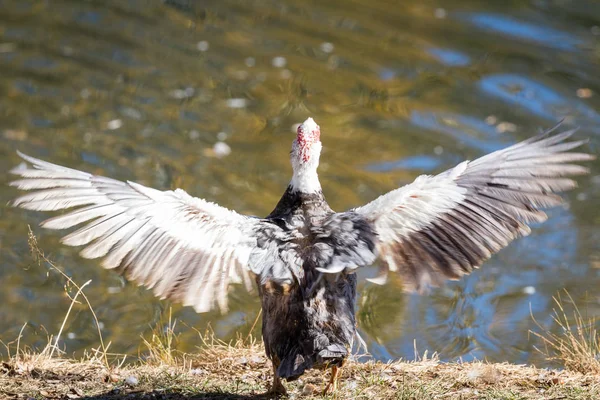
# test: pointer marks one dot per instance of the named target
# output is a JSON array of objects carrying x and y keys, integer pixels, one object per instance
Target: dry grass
[
  {"x": 240, "y": 370},
  {"x": 161, "y": 346},
  {"x": 70, "y": 286},
  {"x": 578, "y": 345}
]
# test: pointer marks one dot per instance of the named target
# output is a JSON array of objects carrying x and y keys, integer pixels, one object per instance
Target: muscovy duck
[{"x": 303, "y": 256}]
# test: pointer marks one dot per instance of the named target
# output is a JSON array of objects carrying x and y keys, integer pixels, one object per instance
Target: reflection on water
[
  {"x": 536, "y": 98},
  {"x": 205, "y": 96},
  {"x": 525, "y": 31}
]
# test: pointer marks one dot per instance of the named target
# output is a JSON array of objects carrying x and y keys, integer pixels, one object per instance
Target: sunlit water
[{"x": 205, "y": 95}]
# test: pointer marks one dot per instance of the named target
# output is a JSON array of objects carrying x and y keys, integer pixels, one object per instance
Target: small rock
[
  {"x": 257, "y": 360},
  {"x": 352, "y": 385},
  {"x": 250, "y": 62},
  {"x": 504, "y": 127},
  {"x": 474, "y": 374},
  {"x": 327, "y": 47},
  {"x": 584, "y": 93},
  {"x": 197, "y": 371},
  {"x": 180, "y": 94},
  {"x": 309, "y": 389},
  {"x": 221, "y": 149},
  {"x": 203, "y": 45},
  {"x": 131, "y": 380},
  {"x": 242, "y": 361},
  {"x": 529, "y": 290},
  {"x": 279, "y": 62},
  {"x": 114, "y": 124},
  {"x": 236, "y": 103},
  {"x": 491, "y": 120}
]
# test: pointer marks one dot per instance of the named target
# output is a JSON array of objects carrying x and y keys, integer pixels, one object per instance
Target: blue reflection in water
[
  {"x": 39, "y": 122},
  {"x": 387, "y": 74},
  {"x": 449, "y": 57},
  {"x": 473, "y": 318},
  {"x": 25, "y": 87},
  {"x": 525, "y": 30},
  {"x": 534, "y": 96},
  {"x": 459, "y": 128},
  {"x": 39, "y": 63},
  {"x": 91, "y": 158},
  {"x": 88, "y": 17},
  {"x": 421, "y": 162}
]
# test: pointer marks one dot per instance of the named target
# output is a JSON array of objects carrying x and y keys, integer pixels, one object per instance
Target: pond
[{"x": 205, "y": 96}]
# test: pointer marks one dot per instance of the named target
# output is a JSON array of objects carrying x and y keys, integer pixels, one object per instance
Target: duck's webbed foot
[{"x": 332, "y": 385}]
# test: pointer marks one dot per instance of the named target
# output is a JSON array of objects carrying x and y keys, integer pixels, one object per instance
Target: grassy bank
[{"x": 241, "y": 371}]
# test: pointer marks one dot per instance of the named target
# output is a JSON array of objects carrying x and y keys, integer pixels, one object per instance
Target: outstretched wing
[
  {"x": 444, "y": 226},
  {"x": 184, "y": 248}
]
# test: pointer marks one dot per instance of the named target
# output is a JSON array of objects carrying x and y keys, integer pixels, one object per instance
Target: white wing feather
[
  {"x": 443, "y": 226},
  {"x": 182, "y": 247}
]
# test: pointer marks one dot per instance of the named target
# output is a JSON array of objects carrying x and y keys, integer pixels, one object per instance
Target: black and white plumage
[{"x": 303, "y": 255}]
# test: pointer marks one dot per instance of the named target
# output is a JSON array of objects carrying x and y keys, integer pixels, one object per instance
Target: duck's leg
[
  {"x": 332, "y": 385},
  {"x": 277, "y": 388}
]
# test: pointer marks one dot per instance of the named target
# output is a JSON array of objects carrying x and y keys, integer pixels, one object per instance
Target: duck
[{"x": 303, "y": 257}]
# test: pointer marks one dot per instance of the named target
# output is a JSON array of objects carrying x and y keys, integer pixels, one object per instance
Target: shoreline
[{"x": 243, "y": 372}]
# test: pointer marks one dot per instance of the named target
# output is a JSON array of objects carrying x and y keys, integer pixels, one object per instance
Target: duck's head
[{"x": 305, "y": 153}]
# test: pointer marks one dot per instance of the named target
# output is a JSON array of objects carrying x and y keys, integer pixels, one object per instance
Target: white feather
[
  {"x": 397, "y": 214},
  {"x": 146, "y": 231}
]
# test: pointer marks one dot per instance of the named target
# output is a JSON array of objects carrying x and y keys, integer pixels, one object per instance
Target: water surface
[{"x": 159, "y": 92}]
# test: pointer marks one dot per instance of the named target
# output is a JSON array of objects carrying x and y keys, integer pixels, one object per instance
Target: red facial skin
[{"x": 305, "y": 140}]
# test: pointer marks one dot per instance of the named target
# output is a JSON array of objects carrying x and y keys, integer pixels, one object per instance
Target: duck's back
[{"x": 308, "y": 318}]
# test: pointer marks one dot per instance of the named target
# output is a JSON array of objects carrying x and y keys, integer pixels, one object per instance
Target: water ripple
[
  {"x": 534, "y": 96},
  {"x": 420, "y": 162},
  {"x": 526, "y": 31},
  {"x": 452, "y": 58},
  {"x": 467, "y": 130}
]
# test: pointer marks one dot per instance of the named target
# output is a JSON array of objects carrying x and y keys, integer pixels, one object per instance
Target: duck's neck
[{"x": 305, "y": 180}]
